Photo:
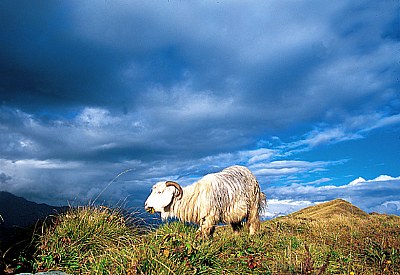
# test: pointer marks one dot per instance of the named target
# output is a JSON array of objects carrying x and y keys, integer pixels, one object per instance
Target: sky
[{"x": 99, "y": 100}]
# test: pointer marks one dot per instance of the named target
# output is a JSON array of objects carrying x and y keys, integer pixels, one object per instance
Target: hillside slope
[
  {"x": 17, "y": 211},
  {"x": 332, "y": 238},
  {"x": 329, "y": 210},
  {"x": 339, "y": 244}
]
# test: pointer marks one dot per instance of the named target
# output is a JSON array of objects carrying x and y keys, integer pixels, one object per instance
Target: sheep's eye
[{"x": 158, "y": 192}]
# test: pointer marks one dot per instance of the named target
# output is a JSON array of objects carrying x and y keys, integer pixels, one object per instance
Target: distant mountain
[
  {"x": 330, "y": 209},
  {"x": 19, "y": 212}
]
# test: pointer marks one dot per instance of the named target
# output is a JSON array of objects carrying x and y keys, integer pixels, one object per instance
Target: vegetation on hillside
[
  {"x": 101, "y": 241},
  {"x": 329, "y": 210}
]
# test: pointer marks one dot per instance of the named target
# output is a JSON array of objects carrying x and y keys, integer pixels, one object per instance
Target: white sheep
[{"x": 229, "y": 196}]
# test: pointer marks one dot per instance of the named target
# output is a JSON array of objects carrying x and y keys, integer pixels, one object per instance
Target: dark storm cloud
[
  {"x": 44, "y": 64},
  {"x": 109, "y": 54}
]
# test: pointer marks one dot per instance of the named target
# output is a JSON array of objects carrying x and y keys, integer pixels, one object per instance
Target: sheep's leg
[
  {"x": 253, "y": 221},
  {"x": 236, "y": 226},
  {"x": 254, "y": 227}
]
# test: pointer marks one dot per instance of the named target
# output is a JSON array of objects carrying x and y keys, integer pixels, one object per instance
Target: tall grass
[
  {"x": 95, "y": 240},
  {"x": 88, "y": 240}
]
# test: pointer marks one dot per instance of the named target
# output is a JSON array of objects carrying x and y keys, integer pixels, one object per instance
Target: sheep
[{"x": 229, "y": 196}]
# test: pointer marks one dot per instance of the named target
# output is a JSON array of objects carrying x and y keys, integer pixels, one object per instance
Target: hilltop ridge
[{"x": 326, "y": 210}]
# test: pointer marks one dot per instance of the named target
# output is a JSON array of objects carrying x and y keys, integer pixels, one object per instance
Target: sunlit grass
[{"x": 99, "y": 241}]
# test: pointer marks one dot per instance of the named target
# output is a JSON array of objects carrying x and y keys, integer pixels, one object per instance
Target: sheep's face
[{"x": 161, "y": 196}]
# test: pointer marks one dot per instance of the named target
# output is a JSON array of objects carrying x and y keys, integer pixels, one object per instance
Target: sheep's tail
[{"x": 262, "y": 203}]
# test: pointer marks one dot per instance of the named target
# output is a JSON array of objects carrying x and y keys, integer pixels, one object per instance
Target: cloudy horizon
[{"x": 305, "y": 94}]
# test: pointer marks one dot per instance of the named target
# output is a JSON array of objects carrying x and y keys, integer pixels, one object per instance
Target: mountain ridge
[{"x": 18, "y": 211}]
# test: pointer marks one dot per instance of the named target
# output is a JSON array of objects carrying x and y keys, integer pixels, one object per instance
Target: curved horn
[{"x": 177, "y": 186}]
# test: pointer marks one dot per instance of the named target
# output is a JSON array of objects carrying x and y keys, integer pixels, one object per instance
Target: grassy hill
[
  {"x": 330, "y": 210},
  {"x": 331, "y": 238}
]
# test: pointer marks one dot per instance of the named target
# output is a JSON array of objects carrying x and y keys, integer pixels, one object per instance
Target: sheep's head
[{"x": 162, "y": 195}]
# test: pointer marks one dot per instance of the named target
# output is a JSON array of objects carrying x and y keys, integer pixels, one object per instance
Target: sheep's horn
[{"x": 177, "y": 186}]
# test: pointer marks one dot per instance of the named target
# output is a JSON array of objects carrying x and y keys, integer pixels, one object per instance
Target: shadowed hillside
[
  {"x": 328, "y": 210},
  {"x": 19, "y": 212},
  {"x": 18, "y": 219}
]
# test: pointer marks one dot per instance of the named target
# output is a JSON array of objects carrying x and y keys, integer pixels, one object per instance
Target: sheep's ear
[{"x": 177, "y": 186}]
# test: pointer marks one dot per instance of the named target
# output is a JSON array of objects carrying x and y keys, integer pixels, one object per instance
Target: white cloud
[
  {"x": 357, "y": 181},
  {"x": 95, "y": 117},
  {"x": 182, "y": 103},
  {"x": 45, "y": 164},
  {"x": 328, "y": 136},
  {"x": 259, "y": 155},
  {"x": 289, "y": 167},
  {"x": 352, "y": 128},
  {"x": 283, "y": 207},
  {"x": 383, "y": 122},
  {"x": 384, "y": 178},
  {"x": 318, "y": 181}
]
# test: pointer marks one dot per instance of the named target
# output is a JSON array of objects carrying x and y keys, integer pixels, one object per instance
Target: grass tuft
[{"x": 88, "y": 240}]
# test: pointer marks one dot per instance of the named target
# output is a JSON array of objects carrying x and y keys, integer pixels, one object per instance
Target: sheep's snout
[{"x": 149, "y": 209}]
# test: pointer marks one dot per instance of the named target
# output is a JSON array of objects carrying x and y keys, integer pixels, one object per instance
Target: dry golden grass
[{"x": 329, "y": 210}]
